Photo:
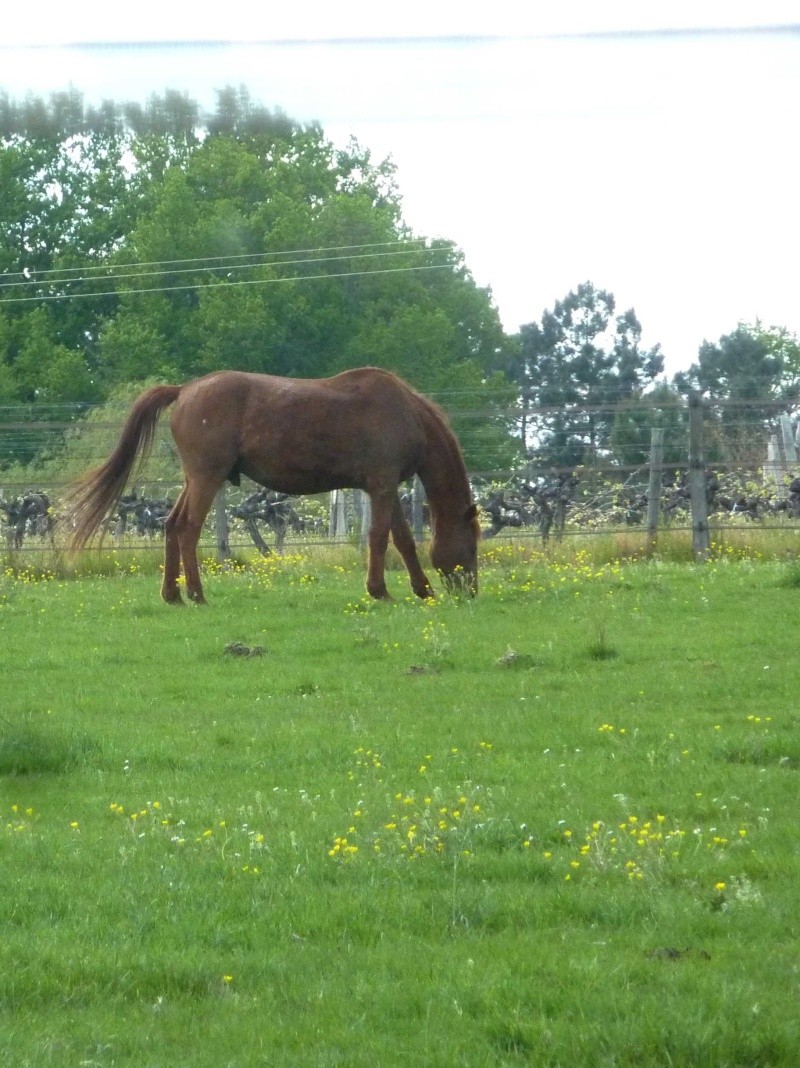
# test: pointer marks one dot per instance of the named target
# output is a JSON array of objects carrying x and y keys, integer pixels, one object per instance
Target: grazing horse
[{"x": 364, "y": 428}]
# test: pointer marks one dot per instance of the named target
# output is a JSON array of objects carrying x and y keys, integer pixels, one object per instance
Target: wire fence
[{"x": 744, "y": 466}]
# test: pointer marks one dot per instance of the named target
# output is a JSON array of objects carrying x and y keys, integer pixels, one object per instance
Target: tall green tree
[
  {"x": 573, "y": 369},
  {"x": 661, "y": 407},
  {"x": 748, "y": 376},
  {"x": 66, "y": 203},
  {"x": 156, "y": 241}
]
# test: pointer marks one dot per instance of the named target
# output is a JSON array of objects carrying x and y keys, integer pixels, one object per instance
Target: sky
[{"x": 651, "y": 149}]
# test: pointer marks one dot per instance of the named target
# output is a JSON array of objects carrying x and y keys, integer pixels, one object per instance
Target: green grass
[{"x": 556, "y": 825}]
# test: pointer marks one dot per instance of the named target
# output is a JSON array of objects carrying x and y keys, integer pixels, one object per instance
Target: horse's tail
[{"x": 96, "y": 492}]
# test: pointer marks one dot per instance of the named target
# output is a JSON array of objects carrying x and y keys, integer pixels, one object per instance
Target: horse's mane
[
  {"x": 430, "y": 406},
  {"x": 437, "y": 417}
]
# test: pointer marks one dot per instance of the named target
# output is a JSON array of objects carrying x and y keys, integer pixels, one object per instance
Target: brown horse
[{"x": 364, "y": 428}]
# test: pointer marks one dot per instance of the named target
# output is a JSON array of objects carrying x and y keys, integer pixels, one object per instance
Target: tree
[
  {"x": 635, "y": 418},
  {"x": 47, "y": 371},
  {"x": 66, "y": 202},
  {"x": 259, "y": 242},
  {"x": 748, "y": 376},
  {"x": 574, "y": 368},
  {"x": 158, "y": 242}
]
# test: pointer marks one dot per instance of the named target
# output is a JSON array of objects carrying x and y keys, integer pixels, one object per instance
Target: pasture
[{"x": 553, "y": 825}]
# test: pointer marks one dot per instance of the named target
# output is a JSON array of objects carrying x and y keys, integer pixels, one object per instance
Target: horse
[{"x": 364, "y": 428}]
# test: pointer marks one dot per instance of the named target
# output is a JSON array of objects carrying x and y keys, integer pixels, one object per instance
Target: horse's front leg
[
  {"x": 404, "y": 541},
  {"x": 382, "y": 507}
]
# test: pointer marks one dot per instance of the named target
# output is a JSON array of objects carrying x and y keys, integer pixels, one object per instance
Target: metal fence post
[
  {"x": 701, "y": 535},
  {"x": 366, "y": 517},
  {"x": 338, "y": 515},
  {"x": 654, "y": 487},
  {"x": 221, "y": 526},
  {"x": 789, "y": 446},
  {"x": 417, "y": 507}
]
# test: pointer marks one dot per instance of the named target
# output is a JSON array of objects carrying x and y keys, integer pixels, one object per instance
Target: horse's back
[
  {"x": 300, "y": 435},
  {"x": 222, "y": 389}
]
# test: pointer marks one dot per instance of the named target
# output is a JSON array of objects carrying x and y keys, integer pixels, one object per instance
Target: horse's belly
[
  {"x": 297, "y": 454},
  {"x": 296, "y": 478}
]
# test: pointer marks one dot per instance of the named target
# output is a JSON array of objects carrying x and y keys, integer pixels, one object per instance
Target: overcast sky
[{"x": 555, "y": 145}]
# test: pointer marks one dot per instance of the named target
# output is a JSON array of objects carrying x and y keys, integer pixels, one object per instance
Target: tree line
[{"x": 160, "y": 242}]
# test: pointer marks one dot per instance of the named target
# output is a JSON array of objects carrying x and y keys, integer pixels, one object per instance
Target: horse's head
[{"x": 454, "y": 551}]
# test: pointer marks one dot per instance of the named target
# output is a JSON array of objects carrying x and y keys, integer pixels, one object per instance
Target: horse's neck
[{"x": 443, "y": 473}]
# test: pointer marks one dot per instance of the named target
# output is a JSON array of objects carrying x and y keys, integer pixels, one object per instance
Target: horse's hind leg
[
  {"x": 404, "y": 541},
  {"x": 382, "y": 505},
  {"x": 170, "y": 591},
  {"x": 200, "y": 492}
]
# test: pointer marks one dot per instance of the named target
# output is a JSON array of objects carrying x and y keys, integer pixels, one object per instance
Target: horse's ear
[{"x": 471, "y": 513}]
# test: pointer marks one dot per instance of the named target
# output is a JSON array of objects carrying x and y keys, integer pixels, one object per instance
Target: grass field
[{"x": 554, "y": 825}]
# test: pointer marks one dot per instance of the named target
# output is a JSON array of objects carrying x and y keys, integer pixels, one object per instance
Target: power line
[
  {"x": 32, "y": 275},
  {"x": 241, "y": 282},
  {"x": 227, "y": 267}
]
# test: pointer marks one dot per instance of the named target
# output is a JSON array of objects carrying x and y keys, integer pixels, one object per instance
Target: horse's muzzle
[{"x": 461, "y": 582}]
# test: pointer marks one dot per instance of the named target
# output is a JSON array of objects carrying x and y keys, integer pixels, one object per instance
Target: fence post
[
  {"x": 221, "y": 526},
  {"x": 417, "y": 507},
  {"x": 654, "y": 487},
  {"x": 789, "y": 455},
  {"x": 789, "y": 446},
  {"x": 366, "y": 517},
  {"x": 338, "y": 523},
  {"x": 701, "y": 537},
  {"x": 772, "y": 466}
]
